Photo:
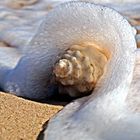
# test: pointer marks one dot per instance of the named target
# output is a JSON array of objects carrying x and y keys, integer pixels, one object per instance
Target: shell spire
[{"x": 79, "y": 69}]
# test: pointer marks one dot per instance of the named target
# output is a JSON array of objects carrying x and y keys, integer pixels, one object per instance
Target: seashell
[{"x": 79, "y": 69}]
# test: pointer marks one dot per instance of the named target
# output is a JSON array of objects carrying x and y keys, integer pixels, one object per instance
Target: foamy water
[{"x": 20, "y": 19}]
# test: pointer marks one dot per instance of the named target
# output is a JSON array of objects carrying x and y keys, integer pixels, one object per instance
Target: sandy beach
[{"x": 22, "y": 119}]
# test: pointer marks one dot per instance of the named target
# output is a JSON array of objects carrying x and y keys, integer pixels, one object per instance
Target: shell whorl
[{"x": 79, "y": 69}]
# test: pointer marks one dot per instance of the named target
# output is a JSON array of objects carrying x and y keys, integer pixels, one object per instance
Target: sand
[{"x": 22, "y": 119}]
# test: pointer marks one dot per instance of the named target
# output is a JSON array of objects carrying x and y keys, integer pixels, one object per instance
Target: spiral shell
[{"x": 79, "y": 69}]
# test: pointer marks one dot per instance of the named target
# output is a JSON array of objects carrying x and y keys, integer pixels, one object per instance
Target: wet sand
[{"x": 21, "y": 119}]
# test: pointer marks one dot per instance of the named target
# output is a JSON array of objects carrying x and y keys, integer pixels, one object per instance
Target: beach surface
[{"x": 21, "y": 119}]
